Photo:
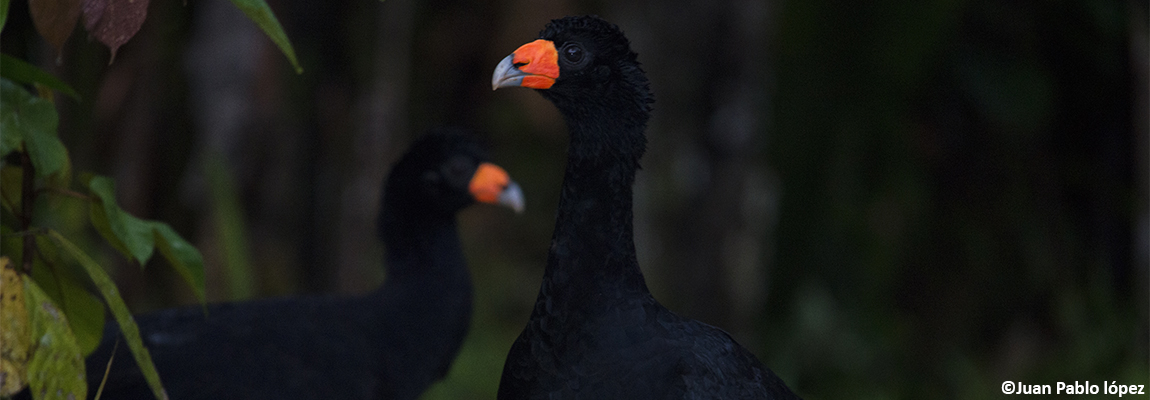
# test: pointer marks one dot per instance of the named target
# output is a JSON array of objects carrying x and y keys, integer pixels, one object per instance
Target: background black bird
[
  {"x": 389, "y": 344},
  {"x": 596, "y": 332}
]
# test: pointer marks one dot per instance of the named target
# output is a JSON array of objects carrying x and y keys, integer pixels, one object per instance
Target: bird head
[
  {"x": 446, "y": 171},
  {"x": 586, "y": 67},
  {"x": 581, "y": 56}
]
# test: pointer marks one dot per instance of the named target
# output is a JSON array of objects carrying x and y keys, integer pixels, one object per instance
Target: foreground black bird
[
  {"x": 389, "y": 344},
  {"x": 596, "y": 332}
]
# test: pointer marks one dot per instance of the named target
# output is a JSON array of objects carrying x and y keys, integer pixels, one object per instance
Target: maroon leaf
[
  {"x": 113, "y": 22},
  {"x": 55, "y": 19},
  {"x": 93, "y": 11}
]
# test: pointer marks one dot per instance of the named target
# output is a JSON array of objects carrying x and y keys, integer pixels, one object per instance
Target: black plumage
[
  {"x": 391, "y": 343},
  {"x": 596, "y": 332}
]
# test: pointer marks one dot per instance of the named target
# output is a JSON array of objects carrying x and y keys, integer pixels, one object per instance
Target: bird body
[
  {"x": 595, "y": 331},
  {"x": 391, "y": 343},
  {"x": 637, "y": 350},
  {"x": 328, "y": 346}
]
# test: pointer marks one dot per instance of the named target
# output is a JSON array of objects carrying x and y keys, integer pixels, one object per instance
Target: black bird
[
  {"x": 595, "y": 331},
  {"x": 391, "y": 343}
]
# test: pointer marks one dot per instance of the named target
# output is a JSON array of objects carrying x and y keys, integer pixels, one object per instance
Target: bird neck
[
  {"x": 592, "y": 260},
  {"x": 420, "y": 243},
  {"x": 426, "y": 298}
]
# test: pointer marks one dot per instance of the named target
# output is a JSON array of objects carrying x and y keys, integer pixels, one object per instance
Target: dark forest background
[{"x": 895, "y": 199}]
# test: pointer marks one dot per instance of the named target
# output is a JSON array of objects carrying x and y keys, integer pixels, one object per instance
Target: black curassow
[
  {"x": 596, "y": 332},
  {"x": 391, "y": 343}
]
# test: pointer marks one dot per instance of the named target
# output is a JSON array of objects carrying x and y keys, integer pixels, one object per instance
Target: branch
[{"x": 27, "y": 203}]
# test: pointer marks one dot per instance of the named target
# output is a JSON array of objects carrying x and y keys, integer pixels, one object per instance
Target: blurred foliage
[
  {"x": 884, "y": 200},
  {"x": 959, "y": 202},
  {"x": 37, "y": 169},
  {"x": 229, "y": 220}
]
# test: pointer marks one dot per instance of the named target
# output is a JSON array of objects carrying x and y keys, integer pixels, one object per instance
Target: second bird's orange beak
[
  {"x": 534, "y": 65},
  {"x": 492, "y": 185}
]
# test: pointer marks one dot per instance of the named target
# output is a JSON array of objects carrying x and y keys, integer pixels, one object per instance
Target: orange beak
[
  {"x": 492, "y": 185},
  {"x": 534, "y": 65}
]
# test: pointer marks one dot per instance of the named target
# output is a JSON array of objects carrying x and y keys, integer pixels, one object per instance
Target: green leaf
[
  {"x": 11, "y": 178},
  {"x": 182, "y": 255},
  {"x": 34, "y": 120},
  {"x": 3, "y": 13},
  {"x": 132, "y": 236},
  {"x": 56, "y": 370},
  {"x": 11, "y": 140},
  {"x": 138, "y": 238},
  {"x": 17, "y": 70},
  {"x": 11, "y": 244},
  {"x": 62, "y": 178},
  {"x": 259, "y": 12},
  {"x": 119, "y": 310},
  {"x": 100, "y": 221},
  {"x": 85, "y": 311}
]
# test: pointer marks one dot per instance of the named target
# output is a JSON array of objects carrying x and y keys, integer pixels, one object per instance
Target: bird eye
[{"x": 573, "y": 53}]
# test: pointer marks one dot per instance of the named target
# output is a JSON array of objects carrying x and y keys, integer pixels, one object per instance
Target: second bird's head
[
  {"x": 580, "y": 57},
  {"x": 446, "y": 171}
]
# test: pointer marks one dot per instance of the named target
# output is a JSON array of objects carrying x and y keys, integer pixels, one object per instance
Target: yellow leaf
[
  {"x": 56, "y": 368},
  {"x": 14, "y": 336}
]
